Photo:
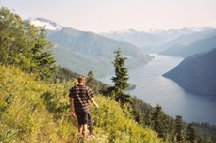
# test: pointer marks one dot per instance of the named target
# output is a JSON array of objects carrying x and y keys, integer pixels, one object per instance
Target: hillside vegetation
[{"x": 33, "y": 111}]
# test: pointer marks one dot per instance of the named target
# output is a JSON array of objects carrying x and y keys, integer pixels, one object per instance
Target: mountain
[
  {"x": 90, "y": 43},
  {"x": 158, "y": 40},
  {"x": 196, "y": 74},
  {"x": 192, "y": 36},
  {"x": 196, "y": 47},
  {"x": 82, "y": 51},
  {"x": 138, "y": 38}
]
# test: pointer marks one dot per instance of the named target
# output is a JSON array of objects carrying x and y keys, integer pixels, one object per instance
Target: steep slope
[
  {"x": 196, "y": 73},
  {"x": 33, "y": 111},
  {"x": 84, "y": 51},
  {"x": 191, "y": 49},
  {"x": 90, "y": 43}
]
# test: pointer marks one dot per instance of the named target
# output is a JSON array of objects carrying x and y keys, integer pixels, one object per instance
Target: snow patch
[{"x": 42, "y": 22}]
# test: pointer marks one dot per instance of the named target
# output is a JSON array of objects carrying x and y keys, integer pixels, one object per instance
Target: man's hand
[
  {"x": 74, "y": 114},
  {"x": 72, "y": 107},
  {"x": 96, "y": 105}
]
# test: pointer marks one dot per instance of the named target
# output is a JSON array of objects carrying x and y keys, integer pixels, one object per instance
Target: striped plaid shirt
[{"x": 81, "y": 94}]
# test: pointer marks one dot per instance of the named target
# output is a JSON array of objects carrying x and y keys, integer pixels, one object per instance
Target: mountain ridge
[
  {"x": 196, "y": 47},
  {"x": 159, "y": 40},
  {"x": 196, "y": 74}
]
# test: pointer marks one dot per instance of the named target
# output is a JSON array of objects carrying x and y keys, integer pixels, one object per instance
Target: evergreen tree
[
  {"x": 90, "y": 80},
  {"x": 138, "y": 116},
  {"x": 179, "y": 129},
  {"x": 158, "y": 122},
  {"x": 120, "y": 79},
  {"x": 42, "y": 56},
  {"x": 105, "y": 90},
  {"x": 148, "y": 118},
  {"x": 190, "y": 134},
  {"x": 170, "y": 125}
]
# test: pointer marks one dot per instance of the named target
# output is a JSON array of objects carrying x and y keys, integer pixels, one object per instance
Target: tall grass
[{"x": 35, "y": 112}]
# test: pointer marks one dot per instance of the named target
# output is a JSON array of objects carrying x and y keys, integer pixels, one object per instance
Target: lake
[{"x": 154, "y": 89}]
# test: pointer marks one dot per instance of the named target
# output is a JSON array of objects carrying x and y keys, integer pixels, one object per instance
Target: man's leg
[
  {"x": 85, "y": 128},
  {"x": 80, "y": 125},
  {"x": 80, "y": 129},
  {"x": 90, "y": 126}
]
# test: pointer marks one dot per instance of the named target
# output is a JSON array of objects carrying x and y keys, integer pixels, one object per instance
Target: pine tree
[
  {"x": 190, "y": 134},
  {"x": 90, "y": 80},
  {"x": 179, "y": 129},
  {"x": 158, "y": 122},
  {"x": 120, "y": 79},
  {"x": 170, "y": 125},
  {"x": 148, "y": 118},
  {"x": 138, "y": 116}
]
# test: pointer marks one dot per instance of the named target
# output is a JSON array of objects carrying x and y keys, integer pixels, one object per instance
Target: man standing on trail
[{"x": 79, "y": 96}]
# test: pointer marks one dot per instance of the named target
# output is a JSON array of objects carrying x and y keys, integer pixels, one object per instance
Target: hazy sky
[{"x": 107, "y": 15}]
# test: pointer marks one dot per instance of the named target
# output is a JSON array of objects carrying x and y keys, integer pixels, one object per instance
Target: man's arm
[
  {"x": 72, "y": 107},
  {"x": 93, "y": 101},
  {"x": 90, "y": 96}
]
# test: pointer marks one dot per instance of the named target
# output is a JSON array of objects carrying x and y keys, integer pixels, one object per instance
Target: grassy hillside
[{"x": 32, "y": 111}]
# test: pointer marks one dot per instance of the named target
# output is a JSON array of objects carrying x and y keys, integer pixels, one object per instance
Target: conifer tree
[
  {"x": 120, "y": 79},
  {"x": 170, "y": 125},
  {"x": 90, "y": 80},
  {"x": 148, "y": 118},
  {"x": 179, "y": 129},
  {"x": 42, "y": 56},
  {"x": 138, "y": 116},
  {"x": 159, "y": 122},
  {"x": 190, "y": 133}
]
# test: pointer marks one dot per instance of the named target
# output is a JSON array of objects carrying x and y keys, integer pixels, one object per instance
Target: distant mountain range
[
  {"x": 82, "y": 51},
  {"x": 196, "y": 47},
  {"x": 156, "y": 41},
  {"x": 196, "y": 74}
]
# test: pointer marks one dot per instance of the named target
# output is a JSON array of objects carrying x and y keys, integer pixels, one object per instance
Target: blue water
[{"x": 154, "y": 89}]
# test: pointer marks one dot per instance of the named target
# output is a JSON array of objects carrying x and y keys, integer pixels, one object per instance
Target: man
[{"x": 79, "y": 96}]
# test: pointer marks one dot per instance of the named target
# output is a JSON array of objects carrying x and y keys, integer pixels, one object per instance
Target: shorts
[{"x": 82, "y": 118}]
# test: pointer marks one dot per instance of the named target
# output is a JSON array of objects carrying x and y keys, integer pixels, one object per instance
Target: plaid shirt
[{"x": 81, "y": 94}]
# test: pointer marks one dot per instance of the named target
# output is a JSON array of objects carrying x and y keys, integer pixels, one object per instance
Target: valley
[{"x": 153, "y": 88}]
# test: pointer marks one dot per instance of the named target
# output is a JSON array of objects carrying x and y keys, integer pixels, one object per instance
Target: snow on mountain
[
  {"x": 42, "y": 22},
  {"x": 181, "y": 31}
]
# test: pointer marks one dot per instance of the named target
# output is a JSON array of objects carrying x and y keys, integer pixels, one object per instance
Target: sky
[{"x": 112, "y": 15}]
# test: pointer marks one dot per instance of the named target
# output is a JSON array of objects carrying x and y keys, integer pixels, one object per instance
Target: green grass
[{"x": 33, "y": 111}]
